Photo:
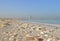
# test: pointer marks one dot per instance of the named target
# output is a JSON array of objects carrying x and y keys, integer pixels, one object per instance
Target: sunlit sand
[{"x": 15, "y": 30}]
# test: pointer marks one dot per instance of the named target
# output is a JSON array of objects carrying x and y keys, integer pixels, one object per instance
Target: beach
[{"x": 16, "y": 30}]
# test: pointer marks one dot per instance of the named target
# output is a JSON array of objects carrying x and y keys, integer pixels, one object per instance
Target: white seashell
[
  {"x": 9, "y": 38},
  {"x": 46, "y": 35},
  {"x": 14, "y": 33},
  {"x": 49, "y": 39},
  {"x": 12, "y": 36},
  {"x": 42, "y": 32}
]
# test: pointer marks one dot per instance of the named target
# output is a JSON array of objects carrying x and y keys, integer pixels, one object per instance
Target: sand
[{"x": 25, "y": 31}]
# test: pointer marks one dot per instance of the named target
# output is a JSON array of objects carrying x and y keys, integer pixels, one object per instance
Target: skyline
[{"x": 35, "y": 8}]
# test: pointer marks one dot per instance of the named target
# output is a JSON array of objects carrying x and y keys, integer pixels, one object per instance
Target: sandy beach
[{"x": 15, "y": 30}]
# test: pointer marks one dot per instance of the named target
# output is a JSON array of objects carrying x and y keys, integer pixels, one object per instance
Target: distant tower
[{"x": 30, "y": 17}]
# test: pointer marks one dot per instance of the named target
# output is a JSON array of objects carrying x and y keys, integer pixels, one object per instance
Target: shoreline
[
  {"x": 44, "y": 21},
  {"x": 46, "y": 24}
]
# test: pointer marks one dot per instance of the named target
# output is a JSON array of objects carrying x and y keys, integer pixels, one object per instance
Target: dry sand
[{"x": 24, "y": 31}]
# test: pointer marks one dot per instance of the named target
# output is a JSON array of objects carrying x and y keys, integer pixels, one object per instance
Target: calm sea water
[{"x": 45, "y": 21}]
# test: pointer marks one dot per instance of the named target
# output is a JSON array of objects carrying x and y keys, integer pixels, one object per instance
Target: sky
[{"x": 35, "y": 8}]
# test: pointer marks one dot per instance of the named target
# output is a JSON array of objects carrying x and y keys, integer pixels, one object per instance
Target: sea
[{"x": 45, "y": 21}]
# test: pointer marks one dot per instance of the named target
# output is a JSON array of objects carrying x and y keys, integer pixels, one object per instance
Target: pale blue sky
[{"x": 38, "y": 8}]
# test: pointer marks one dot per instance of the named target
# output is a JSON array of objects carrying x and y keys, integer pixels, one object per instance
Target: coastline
[{"x": 46, "y": 24}]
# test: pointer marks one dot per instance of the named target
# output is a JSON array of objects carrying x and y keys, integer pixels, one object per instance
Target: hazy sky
[{"x": 38, "y": 8}]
